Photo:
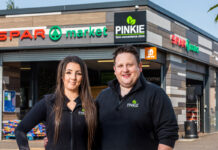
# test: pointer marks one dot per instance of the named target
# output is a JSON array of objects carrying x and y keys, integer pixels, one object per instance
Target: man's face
[{"x": 126, "y": 69}]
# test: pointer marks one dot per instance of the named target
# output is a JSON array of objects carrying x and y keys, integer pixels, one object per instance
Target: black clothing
[
  {"x": 73, "y": 133},
  {"x": 138, "y": 121}
]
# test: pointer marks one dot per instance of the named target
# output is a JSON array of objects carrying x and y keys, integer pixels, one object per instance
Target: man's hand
[
  {"x": 164, "y": 147},
  {"x": 45, "y": 141}
]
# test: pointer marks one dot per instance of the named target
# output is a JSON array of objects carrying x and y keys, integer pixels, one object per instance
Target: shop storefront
[{"x": 176, "y": 55}]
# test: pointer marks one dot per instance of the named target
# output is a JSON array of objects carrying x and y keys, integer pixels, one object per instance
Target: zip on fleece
[
  {"x": 71, "y": 129},
  {"x": 124, "y": 99}
]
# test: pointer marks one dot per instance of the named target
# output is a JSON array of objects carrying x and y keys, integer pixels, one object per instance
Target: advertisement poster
[{"x": 9, "y": 101}]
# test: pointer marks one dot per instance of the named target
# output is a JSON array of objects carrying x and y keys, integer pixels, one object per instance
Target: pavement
[
  {"x": 204, "y": 142},
  {"x": 12, "y": 145}
]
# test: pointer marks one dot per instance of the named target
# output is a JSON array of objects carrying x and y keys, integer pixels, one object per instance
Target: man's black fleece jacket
[{"x": 140, "y": 120}]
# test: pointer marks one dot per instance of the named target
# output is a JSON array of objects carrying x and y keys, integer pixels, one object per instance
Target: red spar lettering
[
  {"x": 3, "y": 36},
  {"x": 174, "y": 39},
  {"x": 39, "y": 32},
  {"x": 182, "y": 43},
  {"x": 14, "y": 34},
  {"x": 26, "y": 34}
]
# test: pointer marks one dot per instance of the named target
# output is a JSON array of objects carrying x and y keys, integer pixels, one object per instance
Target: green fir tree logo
[{"x": 55, "y": 33}]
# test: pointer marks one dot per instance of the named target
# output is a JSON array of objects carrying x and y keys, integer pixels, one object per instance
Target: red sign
[
  {"x": 178, "y": 41},
  {"x": 26, "y": 34}
]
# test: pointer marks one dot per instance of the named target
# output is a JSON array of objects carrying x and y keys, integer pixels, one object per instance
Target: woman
[{"x": 69, "y": 114}]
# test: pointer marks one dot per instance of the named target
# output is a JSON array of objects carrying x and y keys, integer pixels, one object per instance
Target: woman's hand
[{"x": 45, "y": 141}]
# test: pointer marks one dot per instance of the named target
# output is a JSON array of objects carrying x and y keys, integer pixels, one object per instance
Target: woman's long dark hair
[{"x": 85, "y": 96}]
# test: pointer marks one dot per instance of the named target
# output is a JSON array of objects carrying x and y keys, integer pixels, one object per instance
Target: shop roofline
[
  {"x": 63, "y": 8},
  {"x": 181, "y": 20},
  {"x": 107, "y": 5}
]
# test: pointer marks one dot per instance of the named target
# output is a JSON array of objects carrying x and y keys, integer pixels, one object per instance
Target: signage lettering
[
  {"x": 91, "y": 32},
  {"x": 83, "y": 33},
  {"x": 55, "y": 33},
  {"x": 39, "y": 32},
  {"x": 3, "y": 36},
  {"x": 26, "y": 34},
  {"x": 184, "y": 43},
  {"x": 130, "y": 30},
  {"x": 130, "y": 27},
  {"x": 14, "y": 34}
]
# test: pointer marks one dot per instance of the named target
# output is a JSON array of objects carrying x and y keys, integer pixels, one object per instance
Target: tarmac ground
[{"x": 205, "y": 142}]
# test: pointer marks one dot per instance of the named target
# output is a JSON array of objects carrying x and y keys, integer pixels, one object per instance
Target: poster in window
[{"x": 9, "y": 101}]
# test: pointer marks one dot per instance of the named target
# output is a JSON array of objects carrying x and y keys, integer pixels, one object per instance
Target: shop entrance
[
  {"x": 32, "y": 80},
  {"x": 195, "y": 103},
  {"x": 152, "y": 71},
  {"x": 36, "y": 80}
]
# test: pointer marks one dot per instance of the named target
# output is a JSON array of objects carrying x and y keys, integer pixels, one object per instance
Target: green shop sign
[
  {"x": 55, "y": 32},
  {"x": 184, "y": 44},
  {"x": 190, "y": 47}
]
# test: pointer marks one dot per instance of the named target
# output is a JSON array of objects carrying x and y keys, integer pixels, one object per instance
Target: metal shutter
[{"x": 52, "y": 55}]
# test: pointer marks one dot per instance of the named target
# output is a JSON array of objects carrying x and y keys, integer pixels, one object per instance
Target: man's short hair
[{"x": 127, "y": 49}]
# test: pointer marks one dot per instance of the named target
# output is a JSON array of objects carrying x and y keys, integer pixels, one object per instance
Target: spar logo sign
[
  {"x": 55, "y": 33},
  {"x": 184, "y": 43},
  {"x": 130, "y": 27}
]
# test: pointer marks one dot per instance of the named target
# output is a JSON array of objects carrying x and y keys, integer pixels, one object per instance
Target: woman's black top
[{"x": 73, "y": 132}]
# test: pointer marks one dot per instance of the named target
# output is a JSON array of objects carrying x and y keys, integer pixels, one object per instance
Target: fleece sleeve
[
  {"x": 36, "y": 115},
  {"x": 97, "y": 139},
  {"x": 164, "y": 119}
]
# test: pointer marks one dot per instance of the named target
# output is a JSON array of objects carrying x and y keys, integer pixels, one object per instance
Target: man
[{"x": 134, "y": 114}]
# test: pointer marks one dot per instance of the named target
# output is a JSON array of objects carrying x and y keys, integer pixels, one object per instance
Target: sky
[{"x": 193, "y": 11}]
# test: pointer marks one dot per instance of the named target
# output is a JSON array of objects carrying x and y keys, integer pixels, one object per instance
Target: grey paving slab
[
  {"x": 12, "y": 145},
  {"x": 206, "y": 142}
]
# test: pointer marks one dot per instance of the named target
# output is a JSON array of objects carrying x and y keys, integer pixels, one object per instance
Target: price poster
[{"x": 9, "y": 101}]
